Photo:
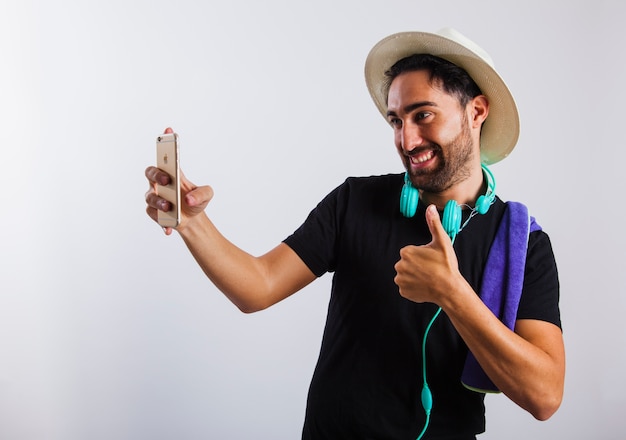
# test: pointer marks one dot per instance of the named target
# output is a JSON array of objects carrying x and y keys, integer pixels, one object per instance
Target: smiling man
[{"x": 441, "y": 291}]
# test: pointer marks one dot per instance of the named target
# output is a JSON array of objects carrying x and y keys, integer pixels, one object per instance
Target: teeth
[{"x": 422, "y": 157}]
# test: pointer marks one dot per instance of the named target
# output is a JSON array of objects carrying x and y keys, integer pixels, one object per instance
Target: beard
[{"x": 453, "y": 165}]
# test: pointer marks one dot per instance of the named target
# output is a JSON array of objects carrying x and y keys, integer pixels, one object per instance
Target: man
[{"x": 417, "y": 327}]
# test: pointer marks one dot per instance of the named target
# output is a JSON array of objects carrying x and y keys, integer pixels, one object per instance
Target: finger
[
  {"x": 168, "y": 130},
  {"x": 435, "y": 227},
  {"x": 199, "y": 197},
  {"x": 188, "y": 188},
  {"x": 152, "y": 212},
  {"x": 156, "y": 202},
  {"x": 155, "y": 175},
  {"x": 405, "y": 263}
]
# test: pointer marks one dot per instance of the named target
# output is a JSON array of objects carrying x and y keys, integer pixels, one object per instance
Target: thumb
[
  {"x": 199, "y": 197},
  {"x": 435, "y": 227}
]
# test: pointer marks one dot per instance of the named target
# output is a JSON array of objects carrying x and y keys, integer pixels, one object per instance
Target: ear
[{"x": 478, "y": 110}]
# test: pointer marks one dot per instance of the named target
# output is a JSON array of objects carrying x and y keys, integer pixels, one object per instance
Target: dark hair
[{"x": 453, "y": 79}]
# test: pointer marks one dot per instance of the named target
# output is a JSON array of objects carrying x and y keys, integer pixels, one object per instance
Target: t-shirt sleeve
[
  {"x": 315, "y": 241},
  {"x": 540, "y": 296}
]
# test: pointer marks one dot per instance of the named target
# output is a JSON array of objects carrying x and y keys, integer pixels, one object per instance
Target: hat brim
[{"x": 500, "y": 130}]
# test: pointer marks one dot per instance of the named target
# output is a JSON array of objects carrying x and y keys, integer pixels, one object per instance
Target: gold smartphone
[{"x": 168, "y": 160}]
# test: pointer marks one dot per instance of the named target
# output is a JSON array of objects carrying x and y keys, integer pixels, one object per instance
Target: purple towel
[{"x": 503, "y": 280}]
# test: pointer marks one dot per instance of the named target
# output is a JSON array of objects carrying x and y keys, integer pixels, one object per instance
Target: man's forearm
[
  {"x": 527, "y": 365},
  {"x": 251, "y": 283}
]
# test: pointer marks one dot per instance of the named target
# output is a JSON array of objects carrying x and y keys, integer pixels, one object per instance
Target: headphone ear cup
[
  {"x": 482, "y": 204},
  {"x": 451, "y": 221},
  {"x": 409, "y": 198}
]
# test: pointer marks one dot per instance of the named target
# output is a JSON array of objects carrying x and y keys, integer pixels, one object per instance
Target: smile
[{"x": 422, "y": 157}]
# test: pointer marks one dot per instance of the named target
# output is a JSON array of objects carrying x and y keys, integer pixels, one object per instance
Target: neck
[{"x": 464, "y": 192}]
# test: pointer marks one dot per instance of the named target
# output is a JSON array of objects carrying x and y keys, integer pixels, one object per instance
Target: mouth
[{"x": 422, "y": 158}]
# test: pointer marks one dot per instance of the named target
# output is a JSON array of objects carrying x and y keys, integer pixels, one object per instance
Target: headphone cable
[{"x": 427, "y": 395}]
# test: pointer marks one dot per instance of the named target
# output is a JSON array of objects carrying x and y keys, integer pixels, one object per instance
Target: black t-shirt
[{"x": 368, "y": 378}]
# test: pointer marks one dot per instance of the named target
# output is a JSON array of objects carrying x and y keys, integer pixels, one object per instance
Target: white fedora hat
[{"x": 501, "y": 128}]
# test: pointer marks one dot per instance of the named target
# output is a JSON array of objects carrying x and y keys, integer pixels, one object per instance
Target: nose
[{"x": 410, "y": 138}]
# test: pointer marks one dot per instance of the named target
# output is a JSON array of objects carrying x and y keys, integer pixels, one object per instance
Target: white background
[{"x": 108, "y": 329}]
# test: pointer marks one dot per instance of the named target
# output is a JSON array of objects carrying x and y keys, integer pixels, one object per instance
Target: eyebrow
[{"x": 414, "y": 106}]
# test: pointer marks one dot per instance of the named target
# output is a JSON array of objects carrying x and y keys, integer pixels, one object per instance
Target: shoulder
[
  {"x": 369, "y": 182},
  {"x": 540, "y": 252},
  {"x": 369, "y": 188}
]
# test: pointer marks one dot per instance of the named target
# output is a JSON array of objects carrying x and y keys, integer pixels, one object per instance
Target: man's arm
[
  {"x": 528, "y": 365},
  {"x": 251, "y": 283}
]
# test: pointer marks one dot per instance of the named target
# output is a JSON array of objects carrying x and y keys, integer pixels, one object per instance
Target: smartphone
[{"x": 168, "y": 160}]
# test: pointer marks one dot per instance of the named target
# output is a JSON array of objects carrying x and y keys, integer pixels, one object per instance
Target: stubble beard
[{"x": 453, "y": 166}]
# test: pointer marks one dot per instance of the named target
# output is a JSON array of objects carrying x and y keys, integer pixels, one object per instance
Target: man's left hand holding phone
[{"x": 172, "y": 200}]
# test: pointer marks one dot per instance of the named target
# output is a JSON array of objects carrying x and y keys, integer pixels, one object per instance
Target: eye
[
  {"x": 420, "y": 116},
  {"x": 395, "y": 122}
]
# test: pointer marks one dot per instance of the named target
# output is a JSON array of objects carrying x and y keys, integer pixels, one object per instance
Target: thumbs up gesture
[{"x": 429, "y": 273}]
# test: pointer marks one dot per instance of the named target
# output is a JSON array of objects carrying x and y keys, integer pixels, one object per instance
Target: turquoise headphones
[{"x": 451, "y": 220}]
